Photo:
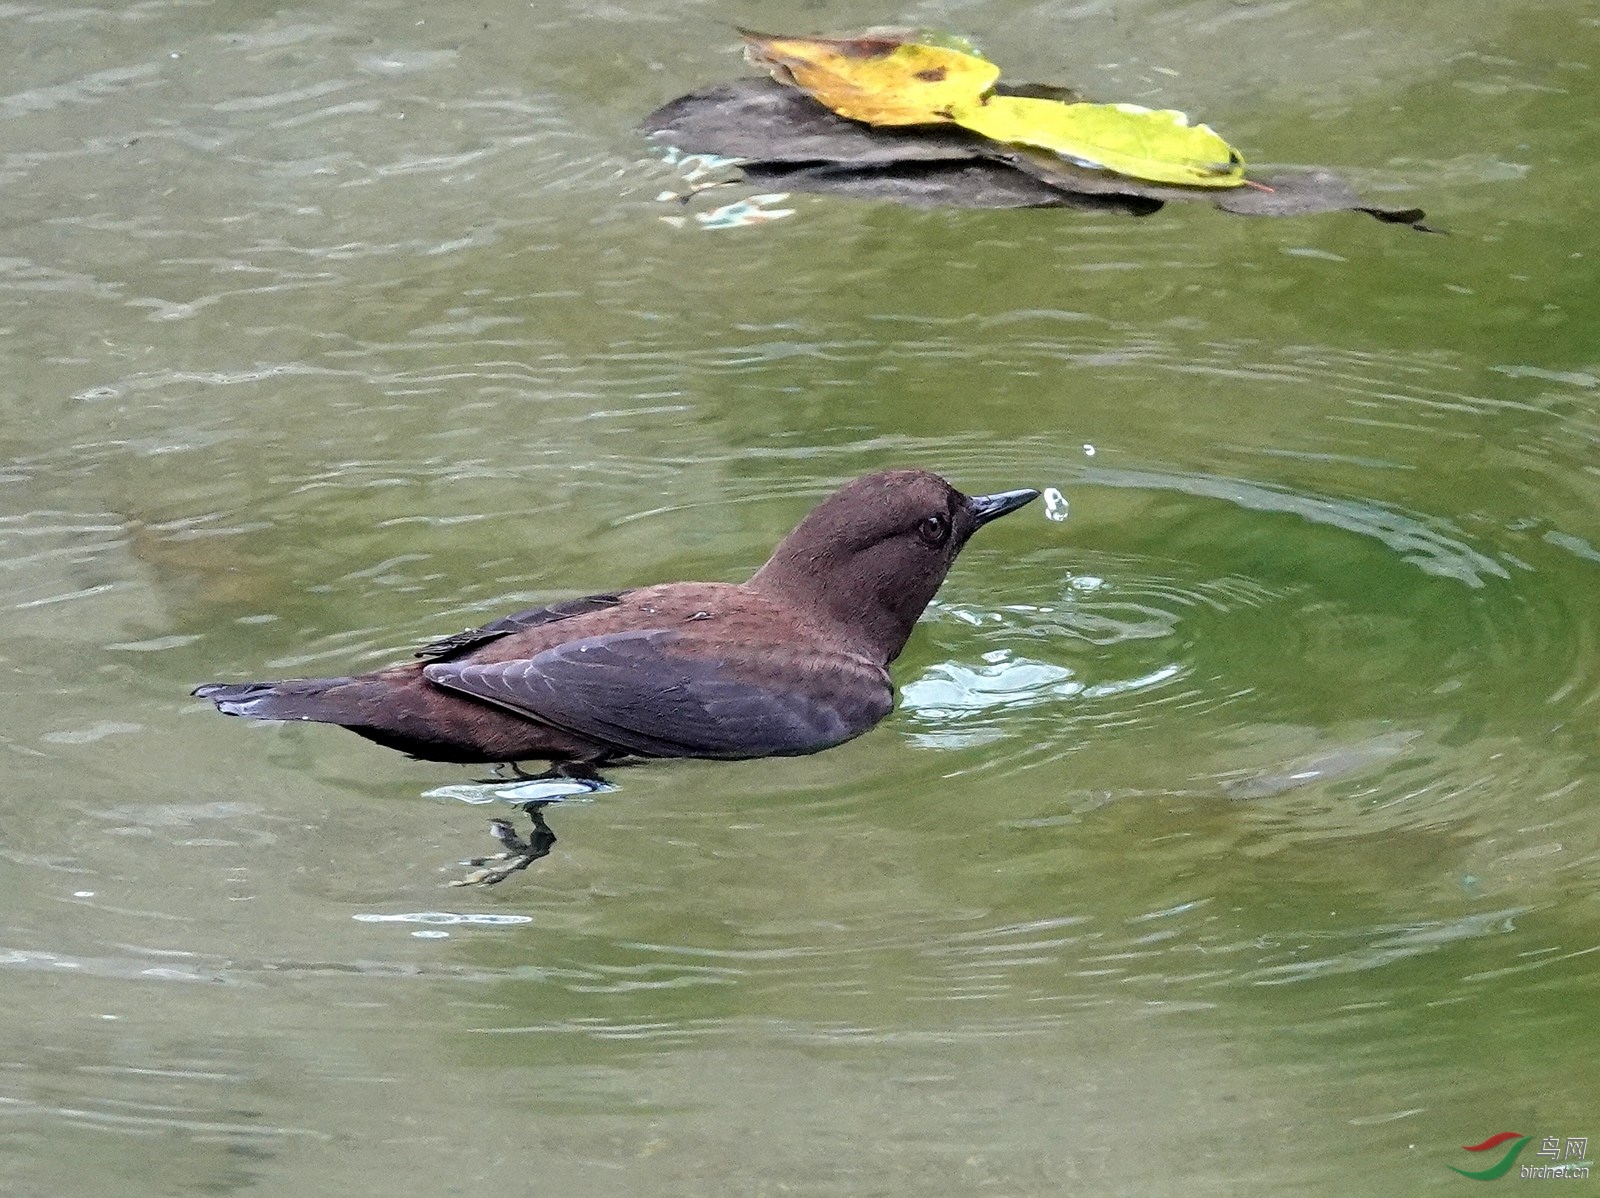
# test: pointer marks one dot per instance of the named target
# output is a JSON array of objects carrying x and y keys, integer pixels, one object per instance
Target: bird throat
[{"x": 872, "y": 614}]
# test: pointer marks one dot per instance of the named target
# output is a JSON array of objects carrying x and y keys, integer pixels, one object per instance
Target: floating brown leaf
[{"x": 782, "y": 136}]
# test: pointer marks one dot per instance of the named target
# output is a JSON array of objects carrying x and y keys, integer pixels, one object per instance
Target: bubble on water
[{"x": 1055, "y": 505}]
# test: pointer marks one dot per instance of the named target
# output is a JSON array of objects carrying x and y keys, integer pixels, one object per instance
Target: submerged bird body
[{"x": 793, "y": 661}]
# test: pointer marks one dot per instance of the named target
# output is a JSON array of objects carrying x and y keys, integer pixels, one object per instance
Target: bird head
[{"x": 873, "y": 554}]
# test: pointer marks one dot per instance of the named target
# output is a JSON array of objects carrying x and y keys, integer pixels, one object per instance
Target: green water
[{"x": 1236, "y": 835}]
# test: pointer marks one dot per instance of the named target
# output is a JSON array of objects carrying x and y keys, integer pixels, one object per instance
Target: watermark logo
[
  {"x": 1503, "y": 1166},
  {"x": 1572, "y": 1156}
]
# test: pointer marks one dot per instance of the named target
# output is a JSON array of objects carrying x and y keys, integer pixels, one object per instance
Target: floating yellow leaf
[
  {"x": 878, "y": 80},
  {"x": 890, "y": 79},
  {"x": 1160, "y": 146}
]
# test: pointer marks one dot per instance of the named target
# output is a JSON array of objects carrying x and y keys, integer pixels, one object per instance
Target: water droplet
[{"x": 1055, "y": 505}]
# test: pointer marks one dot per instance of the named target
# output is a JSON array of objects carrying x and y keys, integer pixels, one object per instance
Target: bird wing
[
  {"x": 473, "y": 638},
  {"x": 643, "y": 692}
]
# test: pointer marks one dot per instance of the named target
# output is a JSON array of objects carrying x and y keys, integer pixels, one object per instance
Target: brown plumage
[{"x": 792, "y": 661}]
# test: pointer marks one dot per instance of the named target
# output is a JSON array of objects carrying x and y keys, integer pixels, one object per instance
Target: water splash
[
  {"x": 1055, "y": 505},
  {"x": 741, "y": 214},
  {"x": 434, "y": 920},
  {"x": 528, "y": 790}
]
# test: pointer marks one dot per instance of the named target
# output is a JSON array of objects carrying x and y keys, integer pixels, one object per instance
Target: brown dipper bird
[{"x": 792, "y": 661}]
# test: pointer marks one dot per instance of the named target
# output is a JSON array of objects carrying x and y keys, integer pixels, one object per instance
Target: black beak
[{"x": 985, "y": 508}]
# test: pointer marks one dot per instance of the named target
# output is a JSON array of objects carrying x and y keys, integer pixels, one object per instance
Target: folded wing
[{"x": 657, "y": 694}]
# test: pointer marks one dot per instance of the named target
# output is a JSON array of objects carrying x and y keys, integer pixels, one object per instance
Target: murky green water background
[{"x": 1237, "y": 835}]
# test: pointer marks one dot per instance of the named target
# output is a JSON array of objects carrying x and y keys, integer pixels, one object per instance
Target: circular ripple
[{"x": 1261, "y": 642}]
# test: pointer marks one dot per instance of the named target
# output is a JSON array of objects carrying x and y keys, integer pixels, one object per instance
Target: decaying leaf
[
  {"x": 760, "y": 120},
  {"x": 782, "y": 137},
  {"x": 877, "y": 80},
  {"x": 1160, "y": 146},
  {"x": 976, "y": 183}
]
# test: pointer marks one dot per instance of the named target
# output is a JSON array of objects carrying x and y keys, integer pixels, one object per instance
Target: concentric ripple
[{"x": 1311, "y": 623}]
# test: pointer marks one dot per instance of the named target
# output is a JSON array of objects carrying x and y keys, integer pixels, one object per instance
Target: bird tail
[{"x": 303, "y": 699}]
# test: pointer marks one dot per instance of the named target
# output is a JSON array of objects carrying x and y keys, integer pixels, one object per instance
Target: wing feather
[{"x": 473, "y": 638}]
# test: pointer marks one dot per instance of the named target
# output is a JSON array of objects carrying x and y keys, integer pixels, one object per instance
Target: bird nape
[{"x": 792, "y": 661}]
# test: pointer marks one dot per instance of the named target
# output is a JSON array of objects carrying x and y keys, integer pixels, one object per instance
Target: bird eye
[{"x": 935, "y": 530}]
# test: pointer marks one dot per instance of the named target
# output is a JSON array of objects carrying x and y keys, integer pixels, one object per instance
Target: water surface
[{"x": 1235, "y": 835}]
